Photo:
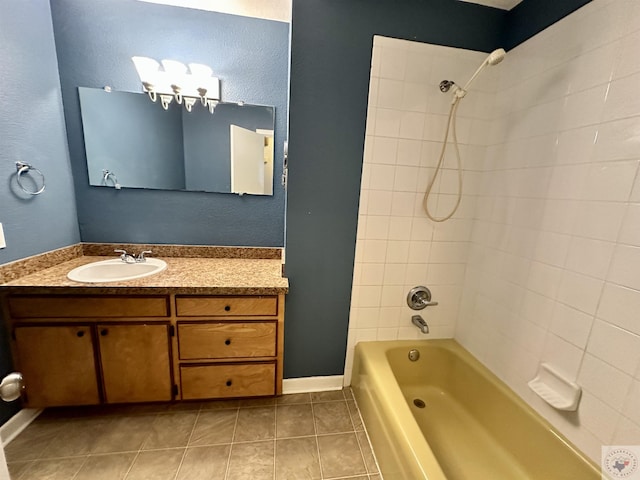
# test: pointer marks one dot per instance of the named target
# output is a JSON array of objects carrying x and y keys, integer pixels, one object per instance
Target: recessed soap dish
[{"x": 556, "y": 390}]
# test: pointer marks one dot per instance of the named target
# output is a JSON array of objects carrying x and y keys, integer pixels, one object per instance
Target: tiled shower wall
[
  {"x": 553, "y": 272},
  {"x": 397, "y": 246}
]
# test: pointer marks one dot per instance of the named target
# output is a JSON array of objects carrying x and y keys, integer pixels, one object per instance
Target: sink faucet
[
  {"x": 141, "y": 258},
  {"x": 419, "y": 322},
  {"x": 125, "y": 257}
]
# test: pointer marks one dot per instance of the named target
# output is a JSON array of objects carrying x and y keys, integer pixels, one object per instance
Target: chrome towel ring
[{"x": 23, "y": 169}]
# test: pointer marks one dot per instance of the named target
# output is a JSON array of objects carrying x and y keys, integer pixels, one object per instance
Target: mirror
[{"x": 132, "y": 142}]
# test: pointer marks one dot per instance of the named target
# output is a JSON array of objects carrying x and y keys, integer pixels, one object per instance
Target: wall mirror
[{"x": 132, "y": 142}]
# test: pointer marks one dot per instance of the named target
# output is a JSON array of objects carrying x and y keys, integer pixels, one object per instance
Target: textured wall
[
  {"x": 95, "y": 42},
  {"x": 31, "y": 130}
]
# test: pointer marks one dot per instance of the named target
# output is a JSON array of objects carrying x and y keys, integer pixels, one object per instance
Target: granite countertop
[{"x": 206, "y": 276}]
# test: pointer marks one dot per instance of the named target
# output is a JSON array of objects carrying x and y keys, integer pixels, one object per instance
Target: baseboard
[
  {"x": 312, "y": 384},
  {"x": 16, "y": 424}
]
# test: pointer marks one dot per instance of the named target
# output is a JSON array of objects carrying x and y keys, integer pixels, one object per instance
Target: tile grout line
[
  {"x": 315, "y": 436},
  {"x": 233, "y": 436},
  {"x": 184, "y": 454}
]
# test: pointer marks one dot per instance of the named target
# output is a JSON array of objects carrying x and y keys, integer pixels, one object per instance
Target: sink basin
[{"x": 115, "y": 270}]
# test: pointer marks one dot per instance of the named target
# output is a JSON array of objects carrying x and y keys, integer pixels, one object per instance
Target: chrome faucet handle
[
  {"x": 141, "y": 257},
  {"x": 125, "y": 257},
  {"x": 419, "y": 297}
]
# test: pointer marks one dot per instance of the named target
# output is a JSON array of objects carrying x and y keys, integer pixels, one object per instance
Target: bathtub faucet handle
[{"x": 419, "y": 298}]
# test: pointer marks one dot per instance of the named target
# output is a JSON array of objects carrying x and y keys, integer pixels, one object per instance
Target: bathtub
[{"x": 447, "y": 417}]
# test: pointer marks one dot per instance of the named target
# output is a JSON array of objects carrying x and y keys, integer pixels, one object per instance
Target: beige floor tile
[
  {"x": 31, "y": 443},
  {"x": 156, "y": 465},
  {"x": 253, "y": 460},
  {"x": 293, "y": 398},
  {"x": 255, "y": 424},
  {"x": 170, "y": 430},
  {"x": 367, "y": 453},
  {"x": 330, "y": 396},
  {"x": 77, "y": 437},
  {"x": 297, "y": 459},
  {"x": 55, "y": 469},
  {"x": 340, "y": 456},
  {"x": 332, "y": 417},
  {"x": 204, "y": 463},
  {"x": 16, "y": 469},
  {"x": 214, "y": 427},
  {"x": 106, "y": 467},
  {"x": 124, "y": 434},
  {"x": 375, "y": 477},
  {"x": 294, "y": 420}
]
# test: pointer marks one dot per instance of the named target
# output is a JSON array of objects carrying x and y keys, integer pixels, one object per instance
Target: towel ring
[{"x": 23, "y": 168}]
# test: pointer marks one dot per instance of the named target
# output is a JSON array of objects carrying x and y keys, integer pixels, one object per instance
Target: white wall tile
[
  {"x": 615, "y": 346},
  {"x": 625, "y": 267},
  {"x": 630, "y": 232},
  {"x": 580, "y": 292},
  {"x": 620, "y": 306},
  {"x": 571, "y": 325},
  {"x": 590, "y": 257},
  {"x": 605, "y": 382}
]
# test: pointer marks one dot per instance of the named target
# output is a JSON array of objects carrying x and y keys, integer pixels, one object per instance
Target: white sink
[{"x": 115, "y": 270}]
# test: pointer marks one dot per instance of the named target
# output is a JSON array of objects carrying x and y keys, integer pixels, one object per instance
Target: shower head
[{"x": 494, "y": 58}]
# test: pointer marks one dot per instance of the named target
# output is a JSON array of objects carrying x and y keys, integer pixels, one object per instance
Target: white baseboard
[
  {"x": 16, "y": 424},
  {"x": 312, "y": 384}
]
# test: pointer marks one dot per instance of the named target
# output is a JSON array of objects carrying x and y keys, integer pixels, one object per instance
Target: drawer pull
[
  {"x": 229, "y": 382},
  {"x": 80, "y": 333},
  {"x": 227, "y": 308},
  {"x": 227, "y": 341},
  {"x": 104, "y": 332}
]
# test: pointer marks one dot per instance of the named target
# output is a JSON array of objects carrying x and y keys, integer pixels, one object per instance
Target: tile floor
[{"x": 312, "y": 436}]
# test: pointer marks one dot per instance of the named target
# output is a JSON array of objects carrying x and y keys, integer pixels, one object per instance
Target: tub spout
[{"x": 419, "y": 322}]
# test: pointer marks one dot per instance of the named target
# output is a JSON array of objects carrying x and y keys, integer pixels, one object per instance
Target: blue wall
[
  {"x": 95, "y": 41},
  {"x": 31, "y": 130}
]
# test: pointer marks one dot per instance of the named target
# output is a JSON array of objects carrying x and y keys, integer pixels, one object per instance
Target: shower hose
[{"x": 451, "y": 126}]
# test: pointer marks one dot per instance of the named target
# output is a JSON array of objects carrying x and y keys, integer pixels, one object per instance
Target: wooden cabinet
[
  {"x": 135, "y": 362},
  {"x": 86, "y": 350},
  {"x": 91, "y": 349},
  {"x": 229, "y": 346},
  {"x": 58, "y": 364}
]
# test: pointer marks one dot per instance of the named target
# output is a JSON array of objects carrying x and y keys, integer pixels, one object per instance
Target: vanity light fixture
[{"x": 171, "y": 80}]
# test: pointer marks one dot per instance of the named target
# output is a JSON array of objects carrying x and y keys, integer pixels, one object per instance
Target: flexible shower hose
[{"x": 451, "y": 125}]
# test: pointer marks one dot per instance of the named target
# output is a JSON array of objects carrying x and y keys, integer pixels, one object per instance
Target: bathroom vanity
[{"x": 204, "y": 328}]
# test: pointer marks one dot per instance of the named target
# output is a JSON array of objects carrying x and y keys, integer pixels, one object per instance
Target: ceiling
[{"x": 503, "y": 4}]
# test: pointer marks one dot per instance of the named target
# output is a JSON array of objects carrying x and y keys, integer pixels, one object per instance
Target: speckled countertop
[{"x": 201, "y": 275}]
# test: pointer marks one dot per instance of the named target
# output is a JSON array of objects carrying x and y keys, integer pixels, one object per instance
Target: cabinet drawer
[
  {"x": 68, "y": 306},
  {"x": 227, "y": 380},
  {"x": 227, "y": 306},
  {"x": 226, "y": 340}
]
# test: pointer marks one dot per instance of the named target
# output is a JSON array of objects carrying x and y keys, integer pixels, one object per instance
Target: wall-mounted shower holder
[{"x": 419, "y": 297}]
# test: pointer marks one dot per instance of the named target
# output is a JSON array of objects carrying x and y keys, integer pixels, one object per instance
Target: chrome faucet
[
  {"x": 141, "y": 258},
  {"x": 125, "y": 257},
  {"x": 419, "y": 322}
]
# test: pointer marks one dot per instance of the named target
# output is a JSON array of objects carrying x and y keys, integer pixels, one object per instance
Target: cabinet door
[
  {"x": 135, "y": 362},
  {"x": 58, "y": 365}
]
